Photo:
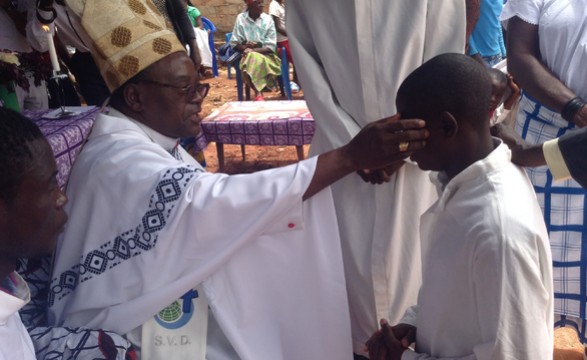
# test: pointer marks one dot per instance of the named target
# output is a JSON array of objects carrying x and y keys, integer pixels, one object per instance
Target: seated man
[
  {"x": 153, "y": 238},
  {"x": 487, "y": 268},
  {"x": 32, "y": 216}
]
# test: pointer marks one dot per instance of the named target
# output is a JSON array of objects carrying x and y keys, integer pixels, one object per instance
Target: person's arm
[
  {"x": 523, "y": 153},
  {"x": 507, "y": 262},
  {"x": 278, "y": 26},
  {"x": 473, "y": 11},
  {"x": 238, "y": 39},
  {"x": 564, "y": 155},
  {"x": 268, "y": 43},
  {"x": 514, "y": 93},
  {"x": 524, "y": 63},
  {"x": 375, "y": 146},
  {"x": 573, "y": 147},
  {"x": 183, "y": 28}
]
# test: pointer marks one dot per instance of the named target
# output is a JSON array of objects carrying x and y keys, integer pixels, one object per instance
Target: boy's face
[
  {"x": 433, "y": 156},
  {"x": 35, "y": 217}
]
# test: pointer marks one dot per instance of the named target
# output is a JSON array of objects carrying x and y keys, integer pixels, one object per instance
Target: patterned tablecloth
[
  {"x": 260, "y": 123},
  {"x": 66, "y": 136}
]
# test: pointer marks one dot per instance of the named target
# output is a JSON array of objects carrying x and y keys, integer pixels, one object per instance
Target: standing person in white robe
[
  {"x": 147, "y": 224},
  {"x": 351, "y": 56}
]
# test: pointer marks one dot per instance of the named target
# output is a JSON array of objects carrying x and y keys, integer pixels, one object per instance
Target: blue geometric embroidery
[{"x": 130, "y": 243}]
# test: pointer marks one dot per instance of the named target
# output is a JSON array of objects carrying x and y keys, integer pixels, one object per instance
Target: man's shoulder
[
  {"x": 266, "y": 18},
  {"x": 274, "y": 8}
]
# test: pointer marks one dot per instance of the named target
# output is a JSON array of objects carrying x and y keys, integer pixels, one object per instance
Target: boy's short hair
[
  {"x": 449, "y": 82},
  {"x": 16, "y": 134}
]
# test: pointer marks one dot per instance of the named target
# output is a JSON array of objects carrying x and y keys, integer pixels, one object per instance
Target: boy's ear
[{"x": 449, "y": 124}]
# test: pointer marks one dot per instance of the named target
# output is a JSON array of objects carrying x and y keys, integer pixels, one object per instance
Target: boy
[{"x": 487, "y": 278}]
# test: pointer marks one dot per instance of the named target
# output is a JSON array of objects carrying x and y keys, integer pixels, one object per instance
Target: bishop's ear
[
  {"x": 133, "y": 97},
  {"x": 449, "y": 124}
]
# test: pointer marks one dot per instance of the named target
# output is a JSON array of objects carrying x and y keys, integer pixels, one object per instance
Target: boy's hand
[
  {"x": 512, "y": 84},
  {"x": 405, "y": 333},
  {"x": 388, "y": 343}
]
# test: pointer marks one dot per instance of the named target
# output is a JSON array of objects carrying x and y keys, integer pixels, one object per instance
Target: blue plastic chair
[
  {"x": 283, "y": 80},
  {"x": 209, "y": 25},
  {"x": 285, "y": 75}
]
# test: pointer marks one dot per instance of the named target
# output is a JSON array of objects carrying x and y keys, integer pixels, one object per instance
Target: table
[
  {"x": 259, "y": 123},
  {"x": 66, "y": 136}
]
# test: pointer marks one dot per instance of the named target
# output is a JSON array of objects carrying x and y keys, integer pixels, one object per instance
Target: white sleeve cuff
[{"x": 555, "y": 161}]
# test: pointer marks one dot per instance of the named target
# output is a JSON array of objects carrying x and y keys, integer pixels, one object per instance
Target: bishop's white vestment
[{"x": 145, "y": 228}]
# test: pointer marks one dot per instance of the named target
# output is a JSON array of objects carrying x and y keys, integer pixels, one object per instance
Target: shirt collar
[
  {"x": 500, "y": 155},
  {"x": 11, "y": 303}
]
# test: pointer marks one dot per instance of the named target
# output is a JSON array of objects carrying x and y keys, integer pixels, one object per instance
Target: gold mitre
[{"x": 127, "y": 35}]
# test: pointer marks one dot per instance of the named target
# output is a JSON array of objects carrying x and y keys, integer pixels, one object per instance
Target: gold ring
[{"x": 403, "y": 146}]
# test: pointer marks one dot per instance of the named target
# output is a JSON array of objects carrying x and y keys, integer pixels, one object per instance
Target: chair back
[
  {"x": 209, "y": 25},
  {"x": 227, "y": 36}
]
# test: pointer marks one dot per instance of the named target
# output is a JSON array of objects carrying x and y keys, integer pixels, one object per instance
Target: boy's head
[
  {"x": 31, "y": 202},
  {"x": 450, "y": 92},
  {"x": 499, "y": 86}
]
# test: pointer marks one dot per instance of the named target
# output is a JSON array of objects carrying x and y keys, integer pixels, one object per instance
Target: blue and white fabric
[{"x": 563, "y": 204}]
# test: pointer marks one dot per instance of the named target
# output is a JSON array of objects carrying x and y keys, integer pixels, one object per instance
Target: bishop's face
[{"x": 173, "y": 97}]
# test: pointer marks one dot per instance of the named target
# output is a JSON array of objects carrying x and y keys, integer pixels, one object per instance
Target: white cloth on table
[
  {"x": 487, "y": 274},
  {"x": 144, "y": 228},
  {"x": 15, "y": 342},
  {"x": 349, "y": 82}
]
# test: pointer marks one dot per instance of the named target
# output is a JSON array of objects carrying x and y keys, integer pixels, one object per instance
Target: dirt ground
[{"x": 223, "y": 90}]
